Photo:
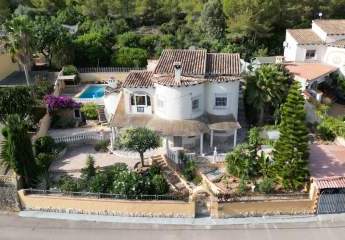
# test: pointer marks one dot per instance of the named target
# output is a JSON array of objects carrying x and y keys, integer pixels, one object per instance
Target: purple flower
[{"x": 58, "y": 102}]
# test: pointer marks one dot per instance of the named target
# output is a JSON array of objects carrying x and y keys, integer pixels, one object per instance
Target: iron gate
[{"x": 331, "y": 201}]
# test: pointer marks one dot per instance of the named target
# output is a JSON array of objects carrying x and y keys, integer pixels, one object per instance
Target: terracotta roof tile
[
  {"x": 330, "y": 182},
  {"x": 193, "y": 61},
  {"x": 339, "y": 44},
  {"x": 169, "y": 80},
  {"x": 309, "y": 71},
  {"x": 138, "y": 79},
  {"x": 305, "y": 36},
  {"x": 331, "y": 26},
  {"x": 223, "y": 64}
]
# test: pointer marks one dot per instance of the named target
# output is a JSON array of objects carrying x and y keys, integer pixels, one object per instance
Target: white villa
[
  {"x": 190, "y": 97},
  {"x": 315, "y": 52}
]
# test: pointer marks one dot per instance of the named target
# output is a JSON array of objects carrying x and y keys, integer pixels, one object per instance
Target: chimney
[{"x": 178, "y": 71}]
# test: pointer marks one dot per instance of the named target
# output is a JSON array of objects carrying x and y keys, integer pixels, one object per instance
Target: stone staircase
[{"x": 170, "y": 174}]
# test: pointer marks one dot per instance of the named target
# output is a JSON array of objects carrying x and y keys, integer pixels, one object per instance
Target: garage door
[{"x": 331, "y": 201}]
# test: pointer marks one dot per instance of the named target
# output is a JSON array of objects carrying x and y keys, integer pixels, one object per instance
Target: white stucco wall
[
  {"x": 291, "y": 49},
  {"x": 127, "y": 93},
  {"x": 177, "y": 101},
  {"x": 335, "y": 57},
  {"x": 231, "y": 90},
  {"x": 111, "y": 102}
]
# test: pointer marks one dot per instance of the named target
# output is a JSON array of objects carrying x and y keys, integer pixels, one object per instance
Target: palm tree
[
  {"x": 266, "y": 87},
  {"x": 19, "y": 41}
]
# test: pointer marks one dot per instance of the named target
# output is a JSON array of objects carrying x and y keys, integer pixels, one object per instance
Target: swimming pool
[{"x": 93, "y": 91}]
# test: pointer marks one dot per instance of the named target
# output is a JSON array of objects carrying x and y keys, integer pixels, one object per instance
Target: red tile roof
[
  {"x": 169, "y": 80},
  {"x": 193, "y": 61},
  {"x": 309, "y": 71},
  {"x": 138, "y": 79},
  {"x": 305, "y": 36},
  {"x": 331, "y": 26},
  {"x": 329, "y": 182},
  {"x": 223, "y": 64}
]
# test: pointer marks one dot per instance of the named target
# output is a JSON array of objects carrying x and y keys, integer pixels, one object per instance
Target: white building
[
  {"x": 190, "y": 97},
  {"x": 316, "y": 52}
]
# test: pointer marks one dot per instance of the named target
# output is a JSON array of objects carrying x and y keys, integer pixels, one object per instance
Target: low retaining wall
[
  {"x": 107, "y": 206},
  {"x": 102, "y": 76},
  {"x": 261, "y": 208}
]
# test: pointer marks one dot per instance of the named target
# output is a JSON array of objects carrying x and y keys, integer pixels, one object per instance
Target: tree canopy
[{"x": 246, "y": 26}]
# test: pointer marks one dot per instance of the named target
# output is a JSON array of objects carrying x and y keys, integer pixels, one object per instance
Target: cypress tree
[{"x": 291, "y": 149}]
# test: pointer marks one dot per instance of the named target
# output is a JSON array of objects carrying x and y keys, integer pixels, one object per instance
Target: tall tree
[
  {"x": 20, "y": 42},
  {"x": 17, "y": 150},
  {"x": 50, "y": 36},
  {"x": 140, "y": 140},
  {"x": 291, "y": 150},
  {"x": 5, "y": 10},
  {"x": 213, "y": 19},
  {"x": 266, "y": 87}
]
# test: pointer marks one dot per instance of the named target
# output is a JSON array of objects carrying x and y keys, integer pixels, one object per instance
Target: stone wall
[
  {"x": 261, "y": 208},
  {"x": 7, "y": 66},
  {"x": 8, "y": 193},
  {"x": 102, "y": 76},
  {"x": 107, "y": 206}
]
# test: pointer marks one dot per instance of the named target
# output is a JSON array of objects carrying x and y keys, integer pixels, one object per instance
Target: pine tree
[
  {"x": 291, "y": 149},
  {"x": 89, "y": 171}
]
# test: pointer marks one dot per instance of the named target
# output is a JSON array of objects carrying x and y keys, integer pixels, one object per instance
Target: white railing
[
  {"x": 82, "y": 138},
  {"x": 107, "y": 69},
  {"x": 175, "y": 154},
  {"x": 99, "y": 101}
]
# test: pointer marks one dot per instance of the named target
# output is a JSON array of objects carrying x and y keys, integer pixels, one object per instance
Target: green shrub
[
  {"x": 89, "y": 171},
  {"x": 154, "y": 170},
  {"x": 42, "y": 88},
  {"x": 102, "y": 146},
  {"x": 68, "y": 184},
  {"x": 160, "y": 185},
  {"x": 266, "y": 186},
  {"x": 45, "y": 144},
  {"x": 90, "y": 111},
  {"x": 98, "y": 183},
  {"x": 189, "y": 171},
  {"x": 129, "y": 183},
  {"x": 242, "y": 187},
  {"x": 325, "y": 133},
  {"x": 130, "y": 57},
  {"x": 62, "y": 123},
  {"x": 69, "y": 70}
]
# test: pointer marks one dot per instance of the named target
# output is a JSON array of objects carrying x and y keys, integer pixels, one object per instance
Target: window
[
  {"x": 140, "y": 100},
  {"x": 221, "y": 101},
  {"x": 195, "y": 104},
  {"x": 310, "y": 54}
]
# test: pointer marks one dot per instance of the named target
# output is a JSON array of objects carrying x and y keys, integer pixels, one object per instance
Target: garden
[{"x": 250, "y": 169}]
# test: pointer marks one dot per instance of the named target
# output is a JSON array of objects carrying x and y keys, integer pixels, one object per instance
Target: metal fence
[
  {"x": 223, "y": 198},
  {"x": 107, "y": 69},
  {"x": 141, "y": 197}
]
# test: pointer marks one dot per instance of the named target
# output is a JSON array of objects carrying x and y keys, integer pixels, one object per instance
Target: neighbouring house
[
  {"x": 259, "y": 61},
  {"x": 327, "y": 170},
  {"x": 8, "y": 66},
  {"x": 314, "y": 53},
  {"x": 190, "y": 97}
]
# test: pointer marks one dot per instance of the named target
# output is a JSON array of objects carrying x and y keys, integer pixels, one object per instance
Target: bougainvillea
[{"x": 58, "y": 102}]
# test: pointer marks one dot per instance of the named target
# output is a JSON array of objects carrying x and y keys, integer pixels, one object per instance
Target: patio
[{"x": 75, "y": 159}]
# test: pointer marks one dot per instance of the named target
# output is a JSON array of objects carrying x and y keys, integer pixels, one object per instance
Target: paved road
[{"x": 15, "y": 227}]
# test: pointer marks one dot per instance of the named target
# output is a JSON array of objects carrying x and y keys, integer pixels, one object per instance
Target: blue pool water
[{"x": 93, "y": 91}]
